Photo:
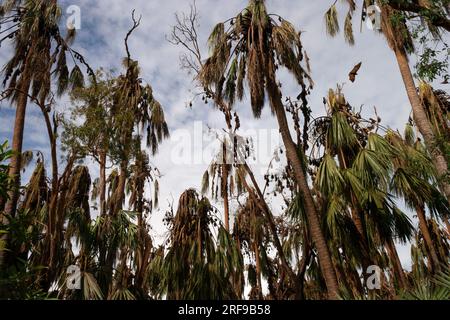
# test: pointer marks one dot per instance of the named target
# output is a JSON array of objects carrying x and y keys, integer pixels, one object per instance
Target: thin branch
[
  {"x": 184, "y": 33},
  {"x": 136, "y": 24}
]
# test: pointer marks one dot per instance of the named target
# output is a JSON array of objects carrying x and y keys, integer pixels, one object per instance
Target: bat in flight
[{"x": 352, "y": 75}]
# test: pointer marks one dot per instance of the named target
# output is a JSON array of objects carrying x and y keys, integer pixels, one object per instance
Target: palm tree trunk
[
  {"x": 434, "y": 260},
  {"x": 52, "y": 137},
  {"x": 16, "y": 159},
  {"x": 143, "y": 250},
  {"x": 349, "y": 275},
  {"x": 303, "y": 266},
  {"x": 50, "y": 255},
  {"x": 102, "y": 183},
  {"x": 396, "y": 263},
  {"x": 317, "y": 235},
  {"x": 422, "y": 121},
  {"x": 357, "y": 218},
  {"x": 15, "y": 164},
  {"x": 225, "y": 187},
  {"x": 115, "y": 207},
  {"x": 53, "y": 231},
  {"x": 262, "y": 204}
]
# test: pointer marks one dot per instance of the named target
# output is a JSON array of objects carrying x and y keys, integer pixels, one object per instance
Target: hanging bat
[{"x": 352, "y": 75}]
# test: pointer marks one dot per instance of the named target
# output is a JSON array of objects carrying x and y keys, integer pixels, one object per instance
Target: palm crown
[{"x": 250, "y": 47}]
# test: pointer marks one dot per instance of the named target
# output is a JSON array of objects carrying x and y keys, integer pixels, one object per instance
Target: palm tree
[
  {"x": 30, "y": 249},
  {"x": 25, "y": 231},
  {"x": 413, "y": 180},
  {"x": 121, "y": 233},
  {"x": 437, "y": 288},
  {"x": 221, "y": 173},
  {"x": 133, "y": 110},
  {"x": 142, "y": 175},
  {"x": 248, "y": 230},
  {"x": 353, "y": 177},
  {"x": 185, "y": 34},
  {"x": 398, "y": 36},
  {"x": 38, "y": 47},
  {"x": 437, "y": 105},
  {"x": 37, "y": 42},
  {"x": 134, "y": 107},
  {"x": 250, "y": 46},
  {"x": 198, "y": 264}
]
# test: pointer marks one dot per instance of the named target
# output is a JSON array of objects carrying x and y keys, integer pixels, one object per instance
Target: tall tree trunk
[
  {"x": 53, "y": 232},
  {"x": 326, "y": 264},
  {"x": 143, "y": 250},
  {"x": 422, "y": 121},
  {"x": 302, "y": 268},
  {"x": 115, "y": 207},
  {"x": 237, "y": 277},
  {"x": 397, "y": 265},
  {"x": 16, "y": 159},
  {"x": 349, "y": 275},
  {"x": 103, "y": 213},
  {"x": 52, "y": 240},
  {"x": 225, "y": 187},
  {"x": 102, "y": 182},
  {"x": 51, "y": 132},
  {"x": 262, "y": 204},
  {"x": 258, "y": 269},
  {"x": 433, "y": 257},
  {"x": 119, "y": 192},
  {"x": 357, "y": 216}
]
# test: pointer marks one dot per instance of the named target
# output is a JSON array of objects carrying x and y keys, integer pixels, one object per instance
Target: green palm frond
[
  {"x": 329, "y": 179},
  {"x": 371, "y": 168},
  {"x": 443, "y": 279},
  {"x": 340, "y": 133},
  {"x": 404, "y": 228},
  {"x": 429, "y": 290}
]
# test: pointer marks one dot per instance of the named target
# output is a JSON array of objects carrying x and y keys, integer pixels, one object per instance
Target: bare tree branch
[
  {"x": 136, "y": 24},
  {"x": 184, "y": 33}
]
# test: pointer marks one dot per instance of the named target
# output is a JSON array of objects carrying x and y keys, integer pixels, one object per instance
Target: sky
[{"x": 104, "y": 24}]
